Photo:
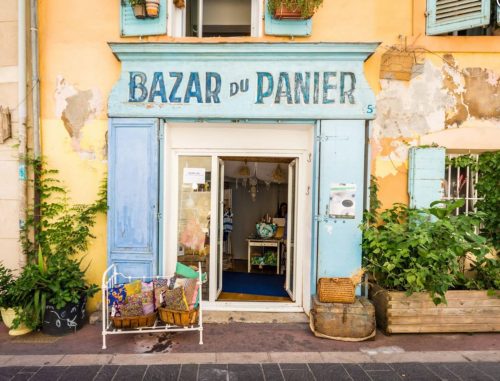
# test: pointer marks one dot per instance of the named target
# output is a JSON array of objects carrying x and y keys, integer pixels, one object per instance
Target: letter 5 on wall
[{"x": 276, "y": 27}]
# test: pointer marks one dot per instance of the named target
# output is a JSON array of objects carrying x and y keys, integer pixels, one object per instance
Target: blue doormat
[{"x": 255, "y": 284}]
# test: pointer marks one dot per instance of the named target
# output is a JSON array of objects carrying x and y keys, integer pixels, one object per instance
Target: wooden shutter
[
  {"x": 444, "y": 16},
  {"x": 133, "y": 195},
  {"x": 275, "y": 27},
  {"x": 341, "y": 154},
  {"x": 132, "y": 26},
  {"x": 425, "y": 176}
]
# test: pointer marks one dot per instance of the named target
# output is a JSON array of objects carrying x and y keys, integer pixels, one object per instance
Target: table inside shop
[{"x": 262, "y": 244}]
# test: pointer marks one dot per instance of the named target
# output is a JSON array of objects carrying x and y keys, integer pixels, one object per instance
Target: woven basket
[
  {"x": 336, "y": 290},
  {"x": 181, "y": 318},
  {"x": 134, "y": 321}
]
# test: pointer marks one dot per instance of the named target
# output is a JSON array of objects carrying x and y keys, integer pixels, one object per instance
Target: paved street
[{"x": 255, "y": 372}]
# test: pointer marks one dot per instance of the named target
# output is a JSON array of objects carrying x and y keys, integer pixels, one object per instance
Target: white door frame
[{"x": 303, "y": 239}]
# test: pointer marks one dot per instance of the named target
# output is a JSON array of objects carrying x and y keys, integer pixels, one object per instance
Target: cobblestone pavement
[{"x": 255, "y": 372}]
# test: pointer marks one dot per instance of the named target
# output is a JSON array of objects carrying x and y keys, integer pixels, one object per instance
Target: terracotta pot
[
  {"x": 153, "y": 8},
  {"x": 8, "y": 316},
  {"x": 139, "y": 11},
  {"x": 289, "y": 13}
]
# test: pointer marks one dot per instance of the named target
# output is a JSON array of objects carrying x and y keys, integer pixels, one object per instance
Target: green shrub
[{"x": 417, "y": 250}]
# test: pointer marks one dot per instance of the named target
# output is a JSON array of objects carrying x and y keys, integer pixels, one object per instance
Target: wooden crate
[{"x": 466, "y": 311}]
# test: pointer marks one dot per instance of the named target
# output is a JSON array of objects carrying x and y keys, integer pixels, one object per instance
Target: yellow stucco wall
[{"x": 75, "y": 57}]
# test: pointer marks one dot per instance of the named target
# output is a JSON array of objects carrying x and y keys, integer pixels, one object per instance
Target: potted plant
[
  {"x": 293, "y": 9},
  {"x": 153, "y": 8},
  {"x": 52, "y": 286},
  {"x": 420, "y": 280},
  {"x": 9, "y": 305},
  {"x": 139, "y": 8}
]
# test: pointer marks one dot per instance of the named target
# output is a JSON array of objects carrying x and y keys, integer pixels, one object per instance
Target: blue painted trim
[
  {"x": 161, "y": 201},
  {"x": 275, "y": 27},
  {"x": 315, "y": 210},
  {"x": 461, "y": 22},
  {"x": 148, "y": 52},
  {"x": 136, "y": 253}
]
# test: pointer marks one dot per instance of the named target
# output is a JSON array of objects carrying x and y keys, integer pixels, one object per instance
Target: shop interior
[
  {"x": 254, "y": 223},
  {"x": 253, "y": 237}
]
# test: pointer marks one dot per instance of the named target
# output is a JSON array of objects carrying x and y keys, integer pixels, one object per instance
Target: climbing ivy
[
  {"x": 462, "y": 161},
  {"x": 488, "y": 188}
]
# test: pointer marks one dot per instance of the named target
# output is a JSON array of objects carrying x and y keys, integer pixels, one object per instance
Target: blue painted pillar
[{"x": 340, "y": 158}]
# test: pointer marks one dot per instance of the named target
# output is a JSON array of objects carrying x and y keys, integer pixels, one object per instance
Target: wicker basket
[
  {"x": 336, "y": 290},
  {"x": 134, "y": 321},
  {"x": 181, "y": 318}
]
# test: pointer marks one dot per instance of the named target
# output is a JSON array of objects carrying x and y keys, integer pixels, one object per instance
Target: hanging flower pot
[
  {"x": 181, "y": 4},
  {"x": 139, "y": 11},
  {"x": 153, "y": 8},
  {"x": 139, "y": 8},
  {"x": 293, "y": 9},
  {"x": 284, "y": 12}
]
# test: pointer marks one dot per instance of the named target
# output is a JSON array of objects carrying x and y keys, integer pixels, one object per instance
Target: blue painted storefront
[{"x": 321, "y": 83}]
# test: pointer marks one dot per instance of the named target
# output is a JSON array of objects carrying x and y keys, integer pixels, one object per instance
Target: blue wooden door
[
  {"x": 340, "y": 154},
  {"x": 133, "y": 195}
]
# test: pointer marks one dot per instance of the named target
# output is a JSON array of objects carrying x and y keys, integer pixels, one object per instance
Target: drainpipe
[
  {"x": 21, "y": 94},
  {"x": 35, "y": 86},
  {"x": 35, "y": 79}
]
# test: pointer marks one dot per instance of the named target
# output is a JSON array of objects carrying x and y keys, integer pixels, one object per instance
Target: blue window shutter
[
  {"x": 425, "y": 176},
  {"x": 275, "y": 27},
  {"x": 444, "y": 16},
  {"x": 132, "y": 26},
  {"x": 341, "y": 154},
  {"x": 133, "y": 195}
]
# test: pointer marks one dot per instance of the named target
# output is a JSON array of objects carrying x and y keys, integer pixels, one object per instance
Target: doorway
[
  {"x": 194, "y": 212},
  {"x": 256, "y": 228}
]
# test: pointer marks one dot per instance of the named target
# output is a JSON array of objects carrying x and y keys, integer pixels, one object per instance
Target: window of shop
[{"x": 463, "y": 17}]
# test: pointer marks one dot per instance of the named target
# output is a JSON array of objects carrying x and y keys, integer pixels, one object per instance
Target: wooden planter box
[{"x": 466, "y": 311}]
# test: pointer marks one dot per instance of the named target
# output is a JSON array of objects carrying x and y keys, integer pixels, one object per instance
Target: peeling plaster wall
[
  {"x": 440, "y": 96},
  {"x": 76, "y": 108}
]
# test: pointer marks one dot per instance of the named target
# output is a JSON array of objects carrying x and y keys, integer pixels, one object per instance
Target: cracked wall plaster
[
  {"x": 437, "y": 99},
  {"x": 75, "y": 108}
]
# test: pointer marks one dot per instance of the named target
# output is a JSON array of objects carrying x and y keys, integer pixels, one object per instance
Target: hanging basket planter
[{"x": 153, "y": 8}]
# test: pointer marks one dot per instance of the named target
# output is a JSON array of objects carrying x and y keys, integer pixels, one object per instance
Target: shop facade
[
  {"x": 133, "y": 100},
  {"x": 306, "y": 104}
]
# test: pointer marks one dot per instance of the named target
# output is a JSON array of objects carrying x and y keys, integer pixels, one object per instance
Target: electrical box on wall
[{"x": 5, "y": 124}]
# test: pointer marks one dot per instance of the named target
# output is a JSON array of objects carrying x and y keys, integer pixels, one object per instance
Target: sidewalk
[
  {"x": 237, "y": 337},
  {"x": 261, "y": 371},
  {"x": 244, "y": 351}
]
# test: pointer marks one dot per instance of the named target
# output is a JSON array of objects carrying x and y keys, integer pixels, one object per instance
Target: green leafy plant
[
  {"x": 7, "y": 282},
  {"x": 307, "y": 7},
  {"x": 54, "y": 233},
  {"x": 416, "y": 250},
  {"x": 488, "y": 188},
  {"x": 136, "y": 2}
]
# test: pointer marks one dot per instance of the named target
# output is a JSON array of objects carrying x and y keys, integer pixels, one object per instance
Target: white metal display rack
[{"x": 109, "y": 280}]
